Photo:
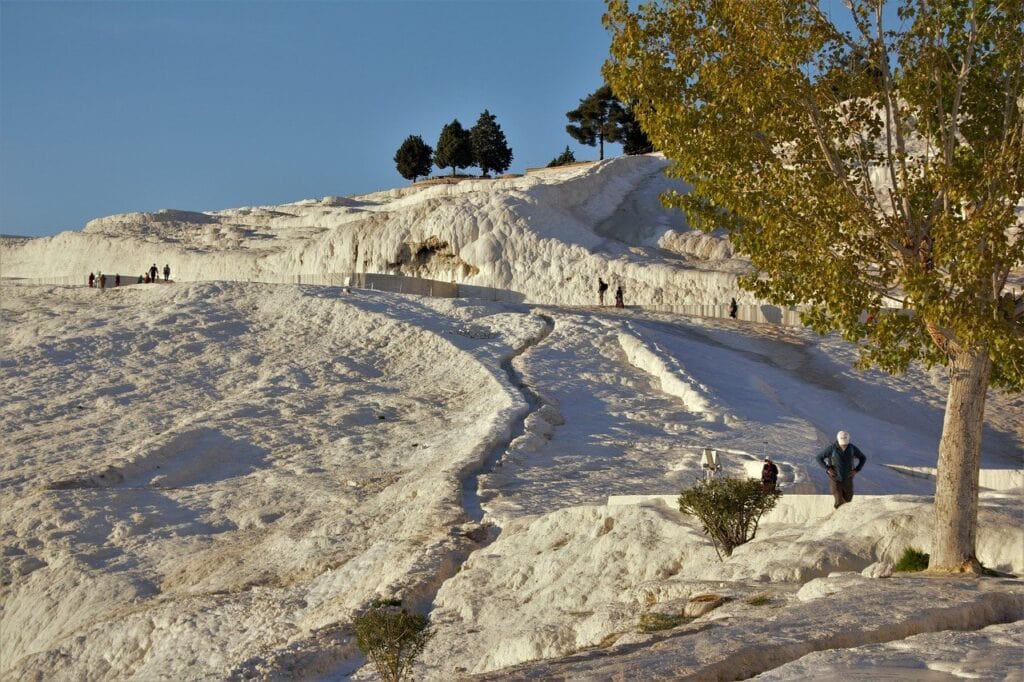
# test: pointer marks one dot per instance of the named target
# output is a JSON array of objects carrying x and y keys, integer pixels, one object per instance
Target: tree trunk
[
  {"x": 600, "y": 139},
  {"x": 956, "y": 481}
]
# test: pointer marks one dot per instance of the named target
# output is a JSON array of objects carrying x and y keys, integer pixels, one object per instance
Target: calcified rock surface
[
  {"x": 544, "y": 237},
  {"x": 208, "y": 480}
]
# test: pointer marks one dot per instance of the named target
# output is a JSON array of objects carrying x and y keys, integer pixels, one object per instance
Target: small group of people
[
  {"x": 101, "y": 280},
  {"x": 602, "y": 288},
  {"x": 151, "y": 275},
  {"x": 842, "y": 460}
]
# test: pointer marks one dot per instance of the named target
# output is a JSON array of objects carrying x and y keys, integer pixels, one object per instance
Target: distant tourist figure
[
  {"x": 838, "y": 462},
  {"x": 733, "y": 308},
  {"x": 141, "y": 279},
  {"x": 103, "y": 281},
  {"x": 92, "y": 280},
  {"x": 152, "y": 273},
  {"x": 618, "y": 297},
  {"x": 146, "y": 275},
  {"x": 117, "y": 279},
  {"x": 602, "y": 286},
  {"x": 167, "y": 271},
  {"x": 769, "y": 475}
]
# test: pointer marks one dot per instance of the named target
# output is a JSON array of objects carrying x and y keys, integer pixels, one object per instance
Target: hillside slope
[{"x": 546, "y": 237}]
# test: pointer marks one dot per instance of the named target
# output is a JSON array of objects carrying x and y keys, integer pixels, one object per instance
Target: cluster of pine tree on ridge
[{"x": 600, "y": 117}]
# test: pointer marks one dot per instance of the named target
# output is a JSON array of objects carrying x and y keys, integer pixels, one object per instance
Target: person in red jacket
[{"x": 769, "y": 475}]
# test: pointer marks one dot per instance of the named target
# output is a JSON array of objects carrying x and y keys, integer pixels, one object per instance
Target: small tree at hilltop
[
  {"x": 392, "y": 638},
  {"x": 454, "y": 148},
  {"x": 564, "y": 158},
  {"x": 414, "y": 158},
  {"x": 729, "y": 509},
  {"x": 490, "y": 148},
  {"x": 858, "y": 169},
  {"x": 596, "y": 119}
]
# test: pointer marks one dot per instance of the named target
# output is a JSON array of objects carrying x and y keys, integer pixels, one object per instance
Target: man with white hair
[{"x": 838, "y": 462}]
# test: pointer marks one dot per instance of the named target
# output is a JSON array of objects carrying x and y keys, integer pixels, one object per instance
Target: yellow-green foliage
[
  {"x": 855, "y": 168},
  {"x": 391, "y": 638},
  {"x": 871, "y": 174}
]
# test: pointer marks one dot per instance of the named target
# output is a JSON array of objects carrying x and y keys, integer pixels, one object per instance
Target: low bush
[
  {"x": 760, "y": 600},
  {"x": 729, "y": 509},
  {"x": 653, "y": 622},
  {"x": 391, "y": 638},
  {"x": 911, "y": 561}
]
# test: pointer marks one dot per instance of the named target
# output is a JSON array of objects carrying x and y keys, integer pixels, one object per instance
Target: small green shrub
[
  {"x": 391, "y": 638},
  {"x": 653, "y": 622},
  {"x": 563, "y": 159},
  {"x": 760, "y": 600},
  {"x": 729, "y": 509},
  {"x": 912, "y": 560}
]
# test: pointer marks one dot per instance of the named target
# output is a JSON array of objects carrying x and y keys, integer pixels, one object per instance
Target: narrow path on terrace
[
  {"x": 605, "y": 428},
  {"x": 470, "y": 486}
]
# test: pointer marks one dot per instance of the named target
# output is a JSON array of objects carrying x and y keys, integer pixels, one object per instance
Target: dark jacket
[
  {"x": 769, "y": 473},
  {"x": 842, "y": 460}
]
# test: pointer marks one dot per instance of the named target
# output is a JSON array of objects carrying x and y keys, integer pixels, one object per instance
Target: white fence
[{"x": 765, "y": 314}]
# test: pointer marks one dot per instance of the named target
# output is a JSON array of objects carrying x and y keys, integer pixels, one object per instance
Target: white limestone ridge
[{"x": 547, "y": 236}]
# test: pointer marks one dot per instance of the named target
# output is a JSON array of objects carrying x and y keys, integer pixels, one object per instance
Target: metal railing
[{"x": 401, "y": 284}]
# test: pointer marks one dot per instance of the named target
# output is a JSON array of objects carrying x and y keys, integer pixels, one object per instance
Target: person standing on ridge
[
  {"x": 152, "y": 273},
  {"x": 769, "y": 475},
  {"x": 733, "y": 308},
  {"x": 167, "y": 271},
  {"x": 92, "y": 280},
  {"x": 602, "y": 286},
  {"x": 618, "y": 297},
  {"x": 837, "y": 459}
]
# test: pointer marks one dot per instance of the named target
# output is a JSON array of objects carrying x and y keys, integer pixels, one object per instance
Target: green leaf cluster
[{"x": 729, "y": 509}]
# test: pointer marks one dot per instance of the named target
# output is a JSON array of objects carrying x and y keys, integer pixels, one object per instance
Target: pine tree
[
  {"x": 564, "y": 158},
  {"x": 490, "y": 149},
  {"x": 634, "y": 139},
  {"x": 414, "y": 158},
  {"x": 595, "y": 119},
  {"x": 857, "y": 168},
  {"x": 454, "y": 147}
]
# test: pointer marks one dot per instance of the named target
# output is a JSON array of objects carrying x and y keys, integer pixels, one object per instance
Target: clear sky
[{"x": 111, "y": 107}]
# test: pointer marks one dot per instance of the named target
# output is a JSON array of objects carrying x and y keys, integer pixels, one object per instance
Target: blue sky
[{"x": 114, "y": 107}]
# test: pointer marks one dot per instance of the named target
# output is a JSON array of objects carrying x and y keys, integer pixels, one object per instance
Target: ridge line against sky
[{"x": 114, "y": 107}]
